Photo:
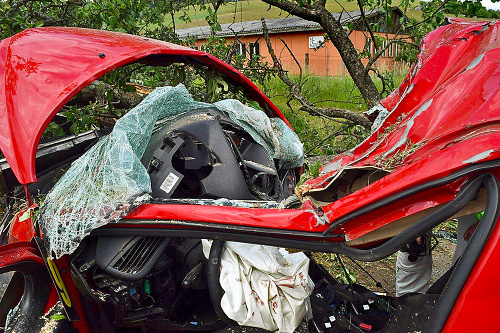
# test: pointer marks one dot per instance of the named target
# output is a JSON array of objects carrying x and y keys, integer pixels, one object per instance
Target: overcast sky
[{"x": 488, "y": 4}]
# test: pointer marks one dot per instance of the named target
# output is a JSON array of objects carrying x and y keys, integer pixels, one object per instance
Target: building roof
[{"x": 278, "y": 25}]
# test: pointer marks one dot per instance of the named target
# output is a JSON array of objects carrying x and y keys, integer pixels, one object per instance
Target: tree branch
[
  {"x": 370, "y": 31},
  {"x": 306, "y": 104},
  {"x": 429, "y": 17},
  {"x": 294, "y": 58},
  {"x": 306, "y": 12}
]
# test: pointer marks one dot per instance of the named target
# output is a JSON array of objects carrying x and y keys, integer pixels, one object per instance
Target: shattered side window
[{"x": 109, "y": 180}]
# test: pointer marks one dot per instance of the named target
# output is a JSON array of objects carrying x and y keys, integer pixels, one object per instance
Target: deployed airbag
[{"x": 264, "y": 286}]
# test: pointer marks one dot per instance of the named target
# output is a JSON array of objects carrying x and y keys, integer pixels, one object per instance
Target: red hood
[{"x": 42, "y": 69}]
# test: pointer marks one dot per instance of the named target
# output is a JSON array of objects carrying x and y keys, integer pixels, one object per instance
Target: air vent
[
  {"x": 137, "y": 257},
  {"x": 129, "y": 257}
]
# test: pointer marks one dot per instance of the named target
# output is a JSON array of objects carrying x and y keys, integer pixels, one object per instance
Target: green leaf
[
  {"x": 109, "y": 95},
  {"x": 129, "y": 88},
  {"x": 58, "y": 317}
]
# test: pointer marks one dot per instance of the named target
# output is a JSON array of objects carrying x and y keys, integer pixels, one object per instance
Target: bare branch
[
  {"x": 293, "y": 57},
  {"x": 306, "y": 12},
  {"x": 330, "y": 113},
  {"x": 370, "y": 31},
  {"x": 217, "y": 4},
  {"x": 430, "y": 16}
]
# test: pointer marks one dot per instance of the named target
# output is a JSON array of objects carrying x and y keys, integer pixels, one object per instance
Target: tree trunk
[{"x": 318, "y": 13}]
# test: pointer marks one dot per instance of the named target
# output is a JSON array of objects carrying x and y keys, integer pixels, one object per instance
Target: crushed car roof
[
  {"x": 444, "y": 117},
  {"x": 43, "y": 68}
]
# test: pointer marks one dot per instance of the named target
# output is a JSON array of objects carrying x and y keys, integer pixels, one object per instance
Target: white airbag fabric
[{"x": 264, "y": 286}]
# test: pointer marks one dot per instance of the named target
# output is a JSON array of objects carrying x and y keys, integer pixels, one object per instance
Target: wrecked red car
[{"x": 98, "y": 256}]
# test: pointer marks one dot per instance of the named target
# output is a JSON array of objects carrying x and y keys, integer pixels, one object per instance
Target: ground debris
[{"x": 53, "y": 318}]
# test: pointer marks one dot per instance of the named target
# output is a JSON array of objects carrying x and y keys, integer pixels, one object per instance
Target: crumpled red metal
[{"x": 446, "y": 111}]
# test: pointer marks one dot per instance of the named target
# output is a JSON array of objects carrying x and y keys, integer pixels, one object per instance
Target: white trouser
[{"x": 414, "y": 277}]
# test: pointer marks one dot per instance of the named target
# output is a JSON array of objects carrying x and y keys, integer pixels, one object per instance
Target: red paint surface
[
  {"x": 19, "y": 252},
  {"x": 22, "y": 231},
  {"x": 291, "y": 219},
  {"x": 478, "y": 306}
]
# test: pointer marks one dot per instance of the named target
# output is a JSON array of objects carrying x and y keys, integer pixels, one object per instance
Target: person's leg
[{"x": 414, "y": 267}]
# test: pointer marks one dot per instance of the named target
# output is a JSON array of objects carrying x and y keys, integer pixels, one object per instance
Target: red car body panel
[
  {"x": 446, "y": 112},
  {"x": 477, "y": 307},
  {"x": 42, "y": 69},
  {"x": 18, "y": 252},
  {"x": 287, "y": 219},
  {"x": 448, "y": 103}
]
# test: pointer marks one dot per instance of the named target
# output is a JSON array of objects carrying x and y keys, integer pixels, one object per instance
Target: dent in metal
[{"x": 478, "y": 157}]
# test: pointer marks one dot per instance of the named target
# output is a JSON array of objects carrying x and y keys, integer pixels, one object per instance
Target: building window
[
  {"x": 253, "y": 48},
  {"x": 390, "y": 50},
  {"x": 241, "y": 49},
  {"x": 384, "y": 45},
  {"x": 396, "y": 49}
]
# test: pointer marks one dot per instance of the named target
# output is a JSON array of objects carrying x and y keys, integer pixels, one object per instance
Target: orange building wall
[{"x": 324, "y": 61}]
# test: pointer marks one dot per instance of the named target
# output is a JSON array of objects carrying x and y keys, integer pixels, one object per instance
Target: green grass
[
  {"x": 251, "y": 10},
  {"x": 337, "y": 92},
  {"x": 330, "y": 91}
]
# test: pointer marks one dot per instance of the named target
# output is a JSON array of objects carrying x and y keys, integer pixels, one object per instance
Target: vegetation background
[{"x": 322, "y": 133}]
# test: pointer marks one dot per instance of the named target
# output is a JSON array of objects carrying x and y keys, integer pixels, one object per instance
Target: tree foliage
[
  {"x": 103, "y": 102},
  {"x": 114, "y": 94}
]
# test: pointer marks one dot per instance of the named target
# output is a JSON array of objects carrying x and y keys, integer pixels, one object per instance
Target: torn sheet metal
[
  {"x": 109, "y": 180},
  {"x": 448, "y": 103},
  {"x": 264, "y": 286}
]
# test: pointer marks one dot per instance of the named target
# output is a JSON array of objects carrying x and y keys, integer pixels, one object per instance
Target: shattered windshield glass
[{"x": 109, "y": 180}]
